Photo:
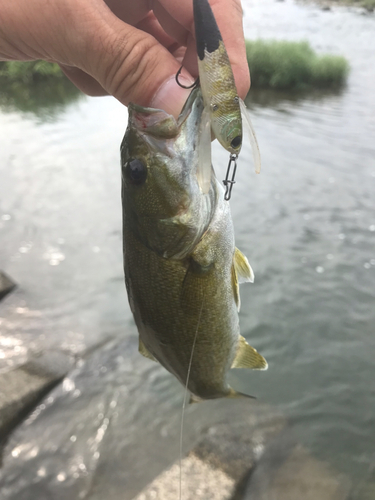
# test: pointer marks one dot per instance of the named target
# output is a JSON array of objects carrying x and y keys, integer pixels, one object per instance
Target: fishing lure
[{"x": 225, "y": 112}]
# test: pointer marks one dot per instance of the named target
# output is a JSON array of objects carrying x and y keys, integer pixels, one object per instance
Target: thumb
[
  {"x": 133, "y": 66},
  {"x": 170, "y": 96}
]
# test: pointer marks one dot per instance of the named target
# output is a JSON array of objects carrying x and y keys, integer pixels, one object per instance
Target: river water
[{"x": 307, "y": 225}]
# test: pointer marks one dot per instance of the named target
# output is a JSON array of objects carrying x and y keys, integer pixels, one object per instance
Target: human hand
[{"x": 130, "y": 49}]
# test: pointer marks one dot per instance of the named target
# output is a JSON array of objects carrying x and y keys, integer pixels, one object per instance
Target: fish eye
[
  {"x": 215, "y": 107},
  {"x": 136, "y": 172},
  {"x": 236, "y": 142},
  {"x": 236, "y": 99}
]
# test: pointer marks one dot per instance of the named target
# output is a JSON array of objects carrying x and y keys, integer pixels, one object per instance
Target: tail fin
[{"x": 234, "y": 394}]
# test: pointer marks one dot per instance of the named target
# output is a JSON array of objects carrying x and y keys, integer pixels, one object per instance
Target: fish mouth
[
  {"x": 160, "y": 130},
  {"x": 170, "y": 211},
  {"x": 157, "y": 122}
]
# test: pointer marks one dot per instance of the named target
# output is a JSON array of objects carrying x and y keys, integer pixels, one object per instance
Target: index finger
[{"x": 228, "y": 15}]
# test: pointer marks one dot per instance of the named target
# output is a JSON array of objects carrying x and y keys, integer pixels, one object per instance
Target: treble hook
[
  {"x": 193, "y": 85},
  {"x": 228, "y": 183}
]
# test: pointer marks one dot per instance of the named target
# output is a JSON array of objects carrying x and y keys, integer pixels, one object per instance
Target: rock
[
  {"x": 199, "y": 480},
  {"x": 293, "y": 474},
  {"x": 22, "y": 388},
  {"x": 365, "y": 490},
  {"x": 6, "y": 285},
  {"x": 218, "y": 466}
]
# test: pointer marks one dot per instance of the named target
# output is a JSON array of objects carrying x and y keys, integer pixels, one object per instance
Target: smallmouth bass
[{"x": 182, "y": 270}]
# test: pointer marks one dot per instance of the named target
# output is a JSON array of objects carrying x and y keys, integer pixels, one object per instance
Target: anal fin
[
  {"x": 194, "y": 399},
  {"x": 235, "y": 287},
  {"x": 144, "y": 351},
  {"x": 248, "y": 357}
]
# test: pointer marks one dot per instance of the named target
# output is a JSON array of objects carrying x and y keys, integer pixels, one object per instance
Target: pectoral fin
[
  {"x": 204, "y": 168},
  {"x": 241, "y": 272},
  {"x": 243, "y": 268},
  {"x": 144, "y": 351},
  {"x": 235, "y": 287},
  {"x": 248, "y": 357}
]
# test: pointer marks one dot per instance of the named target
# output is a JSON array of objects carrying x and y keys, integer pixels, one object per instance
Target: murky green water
[{"x": 307, "y": 225}]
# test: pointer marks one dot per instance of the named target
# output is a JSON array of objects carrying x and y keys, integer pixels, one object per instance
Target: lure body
[{"x": 216, "y": 79}]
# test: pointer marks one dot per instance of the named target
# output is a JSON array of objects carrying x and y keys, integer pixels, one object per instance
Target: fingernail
[{"x": 170, "y": 96}]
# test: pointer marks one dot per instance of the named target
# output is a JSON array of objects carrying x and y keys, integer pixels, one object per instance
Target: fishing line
[{"x": 185, "y": 394}]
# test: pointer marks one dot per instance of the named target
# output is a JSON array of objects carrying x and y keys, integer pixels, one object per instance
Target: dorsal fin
[
  {"x": 243, "y": 268},
  {"x": 248, "y": 357}
]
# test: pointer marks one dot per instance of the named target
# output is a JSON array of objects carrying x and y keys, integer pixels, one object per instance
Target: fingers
[
  {"x": 151, "y": 25},
  {"x": 170, "y": 24},
  {"x": 228, "y": 14},
  {"x": 130, "y": 64},
  {"x": 102, "y": 50},
  {"x": 86, "y": 83}
]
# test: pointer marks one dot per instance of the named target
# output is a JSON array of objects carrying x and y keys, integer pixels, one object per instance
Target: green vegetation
[
  {"x": 286, "y": 65},
  {"x": 42, "y": 88},
  {"x": 366, "y": 4},
  {"x": 37, "y": 87},
  {"x": 28, "y": 72}
]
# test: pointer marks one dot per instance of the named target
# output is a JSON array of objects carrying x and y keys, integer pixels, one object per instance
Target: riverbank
[
  {"x": 278, "y": 65},
  {"x": 285, "y": 65},
  {"x": 368, "y": 5},
  {"x": 307, "y": 225}
]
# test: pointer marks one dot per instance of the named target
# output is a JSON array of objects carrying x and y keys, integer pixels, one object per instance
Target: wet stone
[
  {"x": 6, "y": 285},
  {"x": 365, "y": 491},
  {"x": 218, "y": 466},
  {"x": 21, "y": 389},
  {"x": 291, "y": 473}
]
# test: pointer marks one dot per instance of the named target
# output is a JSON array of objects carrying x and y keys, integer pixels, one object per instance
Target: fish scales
[{"x": 179, "y": 253}]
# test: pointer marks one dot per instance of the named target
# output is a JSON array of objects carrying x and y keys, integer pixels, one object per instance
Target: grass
[
  {"x": 28, "y": 72},
  {"x": 283, "y": 65},
  {"x": 35, "y": 87},
  {"x": 278, "y": 65},
  {"x": 369, "y": 5}
]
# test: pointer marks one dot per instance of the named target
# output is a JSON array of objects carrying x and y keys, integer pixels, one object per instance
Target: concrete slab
[
  {"x": 218, "y": 466},
  {"x": 6, "y": 285},
  {"x": 365, "y": 490},
  {"x": 199, "y": 480},
  {"x": 22, "y": 388},
  {"x": 295, "y": 474}
]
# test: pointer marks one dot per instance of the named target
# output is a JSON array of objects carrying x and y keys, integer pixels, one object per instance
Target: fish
[
  {"x": 182, "y": 269},
  {"x": 225, "y": 110}
]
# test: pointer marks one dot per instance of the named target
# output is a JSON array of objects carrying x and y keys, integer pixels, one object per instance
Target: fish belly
[{"x": 176, "y": 310}]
